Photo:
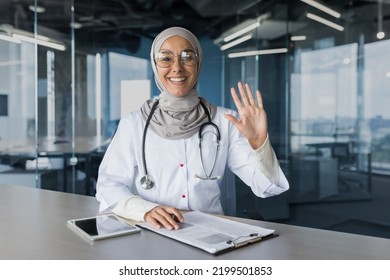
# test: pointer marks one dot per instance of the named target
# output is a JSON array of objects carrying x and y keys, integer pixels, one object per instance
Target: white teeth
[{"x": 177, "y": 79}]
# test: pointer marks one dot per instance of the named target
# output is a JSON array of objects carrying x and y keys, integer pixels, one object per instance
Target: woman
[{"x": 155, "y": 166}]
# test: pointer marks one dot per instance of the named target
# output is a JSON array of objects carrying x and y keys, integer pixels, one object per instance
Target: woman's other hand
[{"x": 164, "y": 216}]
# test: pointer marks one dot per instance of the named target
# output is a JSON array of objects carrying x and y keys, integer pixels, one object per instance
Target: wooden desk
[{"x": 33, "y": 226}]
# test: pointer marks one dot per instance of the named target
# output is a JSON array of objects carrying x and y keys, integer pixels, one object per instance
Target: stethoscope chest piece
[{"x": 147, "y": 182}]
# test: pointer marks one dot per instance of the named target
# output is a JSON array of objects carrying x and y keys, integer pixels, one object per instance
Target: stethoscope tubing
[
  {"x": 218, "y": 135},
  {"x": 147, "y": 181}
]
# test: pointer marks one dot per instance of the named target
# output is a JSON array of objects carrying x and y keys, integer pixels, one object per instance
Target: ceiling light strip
[
  {"x": 242, "y": 31},
  {"x": 257, "y": 52},
  {"x": 38, "y": 9},
  {"x": 322, "y": 8},
  {"x": 325, "y": 21},
  {"x": 298, "y": 38},
  {"x": 236, "y": 42},
  {"x": 45, "y": 43}
]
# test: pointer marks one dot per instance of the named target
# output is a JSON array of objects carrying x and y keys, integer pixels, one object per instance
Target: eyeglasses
[{"x": 166, "y": 59}]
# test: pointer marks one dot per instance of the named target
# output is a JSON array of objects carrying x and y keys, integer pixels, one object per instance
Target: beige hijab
[{"x": 176, "y": 117}]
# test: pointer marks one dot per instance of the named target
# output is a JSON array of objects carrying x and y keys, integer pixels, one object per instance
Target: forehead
[{"x": 176, "y": 43}]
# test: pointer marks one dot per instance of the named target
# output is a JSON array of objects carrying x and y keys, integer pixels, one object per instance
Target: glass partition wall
[
  {"x": 47, "y": 131},
  {"x": 338, "y": 75},
  {"x": 35, "y": 81},
  {"x": 63, "y": 90},
  {"x": 324, "y": 78}
]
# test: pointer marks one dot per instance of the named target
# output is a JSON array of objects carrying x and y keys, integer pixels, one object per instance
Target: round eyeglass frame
[{"x": 169, "y": 53}]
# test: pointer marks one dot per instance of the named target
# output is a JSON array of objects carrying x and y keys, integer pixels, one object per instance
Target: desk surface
[{"x": 34, "y": 227}]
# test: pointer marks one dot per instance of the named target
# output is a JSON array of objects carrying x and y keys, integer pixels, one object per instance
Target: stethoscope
[{"x": 147, "y": 181}]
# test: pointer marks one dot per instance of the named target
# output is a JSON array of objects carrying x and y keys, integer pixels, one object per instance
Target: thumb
[{"x": 233, "y": 119}]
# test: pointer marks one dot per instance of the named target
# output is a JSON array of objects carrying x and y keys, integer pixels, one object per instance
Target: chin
[{"x": 178, "y": 92}]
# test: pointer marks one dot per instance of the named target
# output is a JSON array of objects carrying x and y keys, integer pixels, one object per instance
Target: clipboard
[
  {"x": 214, "y": 234},
  {"x": 238, "y": 244}
]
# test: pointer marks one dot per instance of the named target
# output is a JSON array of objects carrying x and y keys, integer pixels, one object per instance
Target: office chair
[{"x": 347, "y": 166}]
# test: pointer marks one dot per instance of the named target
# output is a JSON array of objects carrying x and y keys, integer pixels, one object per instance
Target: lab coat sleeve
[
  {"x": 118, "y": 167},
  {"x": 267, "y": 161},
  {"x": 269, "y": 166},
  {"x": 259, "y": 168},
  {"x": 133, "y": 208}
]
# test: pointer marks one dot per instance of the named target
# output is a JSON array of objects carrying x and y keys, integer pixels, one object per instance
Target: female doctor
[{"x": 172, "y": 153}]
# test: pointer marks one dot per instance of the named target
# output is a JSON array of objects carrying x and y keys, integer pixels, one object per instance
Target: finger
[
  {"x": 157, "y": 218},
  {"x": 169, "y": 222},
  {"x": 259, "y": 99},
  {"x": 167, "y": 218},
  {"x": 243, "y": 94},
  {"x": 249, "y": 94},
  {"x": 236, "y": 99},
  {"x": 177, "y": 216},
  {"x": 149, "y": 218},
  {"x": 174, "y": 218}
]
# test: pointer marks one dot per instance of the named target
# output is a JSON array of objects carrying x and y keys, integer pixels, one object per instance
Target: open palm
[{"x": 252, "y": 122}]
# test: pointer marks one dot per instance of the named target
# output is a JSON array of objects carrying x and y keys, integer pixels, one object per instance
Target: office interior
[{"x": 69, "y": 70}]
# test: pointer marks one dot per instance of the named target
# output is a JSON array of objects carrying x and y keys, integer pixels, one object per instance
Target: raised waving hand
[{"x": 252, "y": 122}]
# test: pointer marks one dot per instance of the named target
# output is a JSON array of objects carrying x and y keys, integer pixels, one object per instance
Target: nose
[{"x": 177, "y": 64}]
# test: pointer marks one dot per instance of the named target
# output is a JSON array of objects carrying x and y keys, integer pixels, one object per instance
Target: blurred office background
[{"x": 69, "y": 69}]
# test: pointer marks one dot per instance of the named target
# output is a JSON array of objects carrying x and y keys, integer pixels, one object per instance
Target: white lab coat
[{"x": 173, "y": 164}]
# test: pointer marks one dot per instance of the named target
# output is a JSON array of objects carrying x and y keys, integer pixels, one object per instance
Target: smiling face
[{"x": 178, "y": 78}]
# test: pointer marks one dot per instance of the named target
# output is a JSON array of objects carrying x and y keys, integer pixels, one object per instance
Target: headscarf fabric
[
  {"x": 176, "y": 117},
  {"x": 162, "y": 37}
]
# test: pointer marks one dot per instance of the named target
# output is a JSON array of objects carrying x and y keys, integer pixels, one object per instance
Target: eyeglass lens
[{"x": 167, "y": 58}]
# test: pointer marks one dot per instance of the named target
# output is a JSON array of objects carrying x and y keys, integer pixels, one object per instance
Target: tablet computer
[{"x": 102, "y": 226}]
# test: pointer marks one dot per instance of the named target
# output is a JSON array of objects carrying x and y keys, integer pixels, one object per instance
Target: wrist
[{"x": 258, "y": 143}]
